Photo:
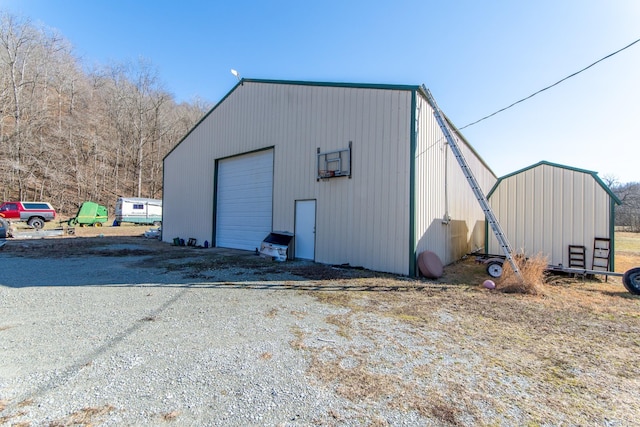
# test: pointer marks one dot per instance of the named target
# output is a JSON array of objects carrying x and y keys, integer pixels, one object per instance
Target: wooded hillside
[{"x": 70, "y": 134}]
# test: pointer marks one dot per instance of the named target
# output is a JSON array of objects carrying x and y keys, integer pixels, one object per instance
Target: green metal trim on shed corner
[{"x": 612, "y": 234}]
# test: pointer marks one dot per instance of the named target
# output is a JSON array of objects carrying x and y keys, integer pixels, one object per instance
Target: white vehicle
[{"x": 138, "y": 210}]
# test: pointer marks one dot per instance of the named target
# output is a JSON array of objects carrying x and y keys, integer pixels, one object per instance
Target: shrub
[{"x": 532, "y": 271}]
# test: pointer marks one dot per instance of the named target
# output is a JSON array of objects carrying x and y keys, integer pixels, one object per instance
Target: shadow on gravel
[
  {"x": 138, "y": 261},
  {"x": 67, "y": 372},
  {"x": 324, "y": 287}
]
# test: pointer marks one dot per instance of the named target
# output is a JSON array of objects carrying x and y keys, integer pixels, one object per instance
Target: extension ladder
[{"x": 477, "y": 191}]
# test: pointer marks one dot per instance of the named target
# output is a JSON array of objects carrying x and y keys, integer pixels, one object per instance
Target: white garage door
[{"x": 244, "y": 200}]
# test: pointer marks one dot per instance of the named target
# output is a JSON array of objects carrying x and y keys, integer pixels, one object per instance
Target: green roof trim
[
  {"x": 411, "y": 88},
  {"x": 203, "y": 119},
  {"x": 335, "y": 84},
  {"x": 595, "y": 176}
]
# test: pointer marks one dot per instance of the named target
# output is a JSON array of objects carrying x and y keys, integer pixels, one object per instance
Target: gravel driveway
[
  {"x": 116, "y": 331},
  {"x": 88, "y": 337}
]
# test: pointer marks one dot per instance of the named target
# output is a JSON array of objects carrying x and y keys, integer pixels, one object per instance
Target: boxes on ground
[{"x": 278, "y": 245}]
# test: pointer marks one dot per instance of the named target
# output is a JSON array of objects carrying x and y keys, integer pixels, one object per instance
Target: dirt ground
[{"x": 568, "y": 356}]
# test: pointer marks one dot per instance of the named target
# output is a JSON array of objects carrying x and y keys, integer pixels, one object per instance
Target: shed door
[
  {"x": 244, "y": 200},
  {"x": 305, "y": 233}
]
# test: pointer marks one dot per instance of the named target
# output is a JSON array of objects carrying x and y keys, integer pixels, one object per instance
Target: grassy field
[{"x": 627, "y": 247}]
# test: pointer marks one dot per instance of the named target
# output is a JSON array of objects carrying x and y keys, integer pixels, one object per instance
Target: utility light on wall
[{"x": 235, "y": 73}]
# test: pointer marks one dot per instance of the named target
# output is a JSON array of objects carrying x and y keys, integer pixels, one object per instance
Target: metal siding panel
[
  {"x": 542, "y": 199},
  {"x": 441, "y": 188},
  {"x": 353, "y": 215},
  {"x": 181, "y": 170},
  {"x": 533, "y": 222},
  {"x": 431, "y": 233},
  {"x": 576, "y": 220},
  {"x": 527, "y": 209},
  {"x": 589, "y": 224},
  {"x": 555, "y": 217},
  {"x": 569, "y": 207}
]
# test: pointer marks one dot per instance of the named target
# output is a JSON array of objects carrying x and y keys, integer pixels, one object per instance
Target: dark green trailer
[{"x": 90, "y": 213}]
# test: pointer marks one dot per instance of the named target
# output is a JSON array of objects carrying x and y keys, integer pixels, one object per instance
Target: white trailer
[{"x": 138, "y": 210}]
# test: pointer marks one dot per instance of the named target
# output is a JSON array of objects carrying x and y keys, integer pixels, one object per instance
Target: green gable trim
[
  {"x": 412, "y": 88},
  {"x": 595, "y": 176},
  {"x": 335, "y": 84},
  {"x": 203, "y": 119}
]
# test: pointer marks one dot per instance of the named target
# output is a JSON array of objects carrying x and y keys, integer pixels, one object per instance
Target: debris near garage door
[{"x": 277, "y": 245}]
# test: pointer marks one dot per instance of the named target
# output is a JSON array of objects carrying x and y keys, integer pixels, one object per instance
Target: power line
[{"x": 549, "y": 87}]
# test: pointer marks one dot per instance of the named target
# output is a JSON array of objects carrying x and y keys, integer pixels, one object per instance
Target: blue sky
[{"x": 475, "y": 56}]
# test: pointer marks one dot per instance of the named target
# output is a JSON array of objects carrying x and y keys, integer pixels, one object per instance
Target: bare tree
[
  {"x": 68, "y": 135},
  {"x": 17, "y": 42},
  {"x": 610, "y": 180},
  {"x": 628, "y": 214},
  {"x": 30, "y": 60}
]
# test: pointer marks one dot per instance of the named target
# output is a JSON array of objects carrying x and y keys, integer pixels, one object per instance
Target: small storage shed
[
  {"x": 555, "y": 210},
  {"x": 360, "y": 174}
]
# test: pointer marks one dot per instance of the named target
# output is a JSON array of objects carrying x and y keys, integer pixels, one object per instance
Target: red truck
[{"x": 33, "y": 213}]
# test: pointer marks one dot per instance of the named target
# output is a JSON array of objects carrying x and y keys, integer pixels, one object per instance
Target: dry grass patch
[
  {"x": 26, "y": 402},
  {"x": 170, "y": 416},
  {"x": 298, "y": 342},
  {"x": 343, "y": 322},
  {"x": 272, "y": 313},
  {"x": 335, "y": 414},
  {"x": 266, "y": 356},
  {"x": 532, "y": 271},
  {"x": 340, "y": 299},
  {"x": 626, "y": 261},
  {"x": 473, "y": 356},
  {"x": 84, "y": 417},
  {"x": 444, "y": 411},
  {"x": 4, "y": 420},
  {"x": 355, "y": 383},
  {"x": 298, "y": 314}
]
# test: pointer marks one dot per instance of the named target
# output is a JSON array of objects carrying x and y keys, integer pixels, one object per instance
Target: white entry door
[{"x": 305, "y": 243}]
